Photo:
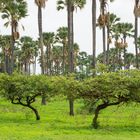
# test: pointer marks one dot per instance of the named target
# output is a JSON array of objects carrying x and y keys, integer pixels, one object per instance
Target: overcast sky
[{"x": 53, "y": 19}]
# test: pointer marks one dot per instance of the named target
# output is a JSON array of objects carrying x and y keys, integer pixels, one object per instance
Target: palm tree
[
  {"x": 28, "y": 50},
  {"x": 94, "y": 32},
  {"x": 5, "y": 52},
  {"x": 71, "y": 5},
  {"x": 129, "y": 60},
  {"x": 57, "y": 59},
  {"x": 48, "y": 40},
  {"x": 126, "y": 30},
  {"x": 113, "y": 20},
  {"x": 41, "y": 4},
  {"x": 138, "y": 51},
  {"x": 62, "y": 38},
  {"x": 103, "y": 22},
  {"x": 75, "y": 54},
  {"x": 136, "y": 33},
  {"x": 13, "y": 11}
]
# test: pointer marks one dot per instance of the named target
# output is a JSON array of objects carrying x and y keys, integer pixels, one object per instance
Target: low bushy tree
[
  {"x": 110, "y": 89},
  {"x": 23, "y": 90}
]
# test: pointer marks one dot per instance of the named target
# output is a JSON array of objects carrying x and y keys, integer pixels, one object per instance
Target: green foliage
[
  {"x": 24, "y": 89},
  {"x": 99, "y": 92},
  {"x": 109, "y": 89}
]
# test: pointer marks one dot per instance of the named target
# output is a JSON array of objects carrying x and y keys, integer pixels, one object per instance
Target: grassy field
[{"x": 116, "y": 123}]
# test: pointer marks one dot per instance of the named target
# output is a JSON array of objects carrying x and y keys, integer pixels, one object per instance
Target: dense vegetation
[
  {"x": 100, "y": 92},
  {"x": 57, "y": 52},
  {"x": 90, "y": 84}
]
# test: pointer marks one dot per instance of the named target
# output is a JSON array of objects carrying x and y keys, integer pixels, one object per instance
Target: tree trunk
[
  {"x": 100, "y": 107},
  {"x": 124, "y": 51},
  {"x": 70, "y": 36},
  {"x": 94, "y": 32},
  {"x": 71, "y": 105},
  {"x": 107, "y": 55},
  {"x": 41, "y": 38},
  {"x": 43, "y": 102},
  {"x": 35, "y": 112},
  {"x": 97, "y": 111},
  {"x": 104, "y": 33},
  {"x": 104, "y": 45},
  {"x": 70, "y": 9},
  {"x": 136, "y": 36},
  {"x": 47, "y": 51},
  {"x": 41, "y": 46},
  {"x": 63, "y": 60},
  {"x": 11, "y": 68}
]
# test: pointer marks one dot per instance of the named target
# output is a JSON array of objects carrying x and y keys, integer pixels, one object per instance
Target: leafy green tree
[
  {"x": 23, "y": 90},
  {"x": 110, "y": 89}
]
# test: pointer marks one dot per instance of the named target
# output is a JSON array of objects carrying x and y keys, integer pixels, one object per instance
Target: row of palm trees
[
  {"x": 56, "y": 51},
  {"x": 14, "y": 10},
  {"x": 27, "y": 52}
]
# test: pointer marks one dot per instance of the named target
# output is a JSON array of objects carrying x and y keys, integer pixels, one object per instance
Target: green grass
[{"x": 116, "y": 123}]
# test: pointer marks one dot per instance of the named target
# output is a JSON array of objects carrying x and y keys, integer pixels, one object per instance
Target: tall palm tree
[
  {"x": 126, "y": 30},
  {"x": 28, "y": 48},
  {"x": 41, "y": 4},
  {"x": 113, "y": 20},
  {"x": 62, "y": 38},
  {"x": 48, "y": 40},
  {"x": 138, "y": 47},
  {"x": 71, "y": 5},
  {"x": 94, "y": 32},
  {"x": 5, "y": 46},
  {"x": 103, "y": 22},
  {"x": 136, "y": 34},
  {"x": 57, "y": 59},
  {"x": 13, "y": 11}
]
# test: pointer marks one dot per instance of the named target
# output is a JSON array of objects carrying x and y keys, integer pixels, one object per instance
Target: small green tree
[
  {"x": 23, "y": 90},
  {"x": 110, "y": 89}
]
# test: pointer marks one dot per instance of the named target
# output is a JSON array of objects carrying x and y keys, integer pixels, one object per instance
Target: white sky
[{"x": 53, "y": 19}]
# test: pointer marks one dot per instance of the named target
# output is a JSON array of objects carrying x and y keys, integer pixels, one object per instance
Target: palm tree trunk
[
  {"x": 70, "y": 35},
  {"x": 41, "y": 37},
  {"x": 104, "y": 45},
  {"x": 124, "y": 51},
  {"x": 34, "y": 66},
  {"x": 136, "y": 36},
  {"x": 11, "y": 68},
  {"x": 107, "y": 55},
  {"x": 94, "y": 32},
  {"x": 104, "y": 34},
  {"x": 43, "y": 102},
  {"x": 70, "y": 45},
  {"x": 63, "y": 60}
]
